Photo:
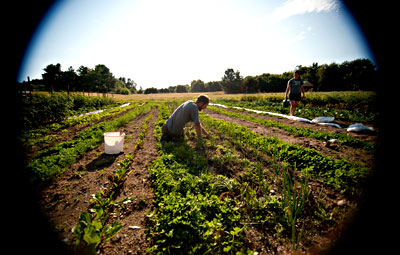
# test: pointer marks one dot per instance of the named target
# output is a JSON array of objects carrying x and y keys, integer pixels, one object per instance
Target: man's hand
[
  {"x": 200, "y": 131},
  {"x": 205, "y": 133}
]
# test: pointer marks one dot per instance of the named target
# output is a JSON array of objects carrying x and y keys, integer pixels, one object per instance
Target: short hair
[{"x": 203, "y": 99}]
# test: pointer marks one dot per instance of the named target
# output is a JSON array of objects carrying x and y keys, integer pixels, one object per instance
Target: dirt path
[
  {"x": 66, "y": 197},
  {"x": 337, "y": 152},
  {"x": 261, "y": 239},
  {"x": 132, "y": 238},
  {"x": 66, "y": 135},
  {"x": 330, "y": 129}
]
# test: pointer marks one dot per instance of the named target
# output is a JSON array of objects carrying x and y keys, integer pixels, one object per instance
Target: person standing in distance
[
  {"x": 172, "y": 130},
  {"x": 295, "y": 86}
]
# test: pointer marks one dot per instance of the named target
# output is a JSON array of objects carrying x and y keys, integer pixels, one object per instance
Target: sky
[{"x": 159, "y": 43}]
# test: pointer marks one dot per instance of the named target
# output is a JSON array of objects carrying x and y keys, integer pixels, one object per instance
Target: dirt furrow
[
  {"x": 336, "y": 152},
  {"x": 330, "y": 129},
  {"x": 314, "y": 236},
  {"x": 131, "y": 239},
  {"x": 66, "y": 135},
  {"x": 66, "y": 197}
]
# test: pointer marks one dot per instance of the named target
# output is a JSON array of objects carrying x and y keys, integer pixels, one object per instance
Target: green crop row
[
  {"x": 32, "y": 137},
  {"x": 189, "y": 216},
  {"x": 343, "y": 139},
  {"x": 52, "y": 161},
  {"x": 94, "y": 227},
  {"x": 307, "y": 111},
  {"x": 340, "y": 174},
  {"x": 349, "y": 100},
  {"x": 42, "y": 109},
  {"x": 200, "y": 212}
]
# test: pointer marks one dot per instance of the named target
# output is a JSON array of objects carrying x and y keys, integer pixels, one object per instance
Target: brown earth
[
  {"x": 335, "y": 151},
  {"x": 264, "y": 240},
  {"x": 65, "y": 135},
  {"x": 316, "y": 238},
  {"x": 66, "y": 197}
]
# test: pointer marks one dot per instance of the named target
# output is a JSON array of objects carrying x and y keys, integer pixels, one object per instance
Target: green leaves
[
  {"x": 189, "y": 217},
  {"x": 343, "y": 139},
  {"x": 51, "y": 162},
  {"x": 293, "y": 201},
  {"x": 90, "y": 232},
  {"x": 340, "y": 174}
]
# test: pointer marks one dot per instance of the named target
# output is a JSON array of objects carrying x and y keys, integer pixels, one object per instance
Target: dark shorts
[
  {"x": 167, "y": 137},
  {"x": 295, "y": 96}
]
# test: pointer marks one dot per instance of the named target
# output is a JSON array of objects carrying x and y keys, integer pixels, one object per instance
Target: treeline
[
  {"x": 84, "y": 79},
  {"x": 359, "y": 74},
  {"x": 195, "y": 86}
]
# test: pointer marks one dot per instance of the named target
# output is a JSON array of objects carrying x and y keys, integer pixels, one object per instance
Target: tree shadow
[{"x": 104, "y": 161}]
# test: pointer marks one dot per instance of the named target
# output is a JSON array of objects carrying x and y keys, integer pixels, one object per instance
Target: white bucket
[{"x": 113, "y": 142}]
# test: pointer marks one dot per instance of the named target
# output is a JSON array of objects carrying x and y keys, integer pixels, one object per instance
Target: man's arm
[{"x": 200, "y": 130}]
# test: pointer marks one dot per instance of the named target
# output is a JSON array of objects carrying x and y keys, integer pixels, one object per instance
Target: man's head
[{"x": 202, "y": 102}]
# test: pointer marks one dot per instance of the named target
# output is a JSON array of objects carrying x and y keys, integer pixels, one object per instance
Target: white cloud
[
  {"x": 300, "y": 36},
  {"x": 296, "y": 7}
]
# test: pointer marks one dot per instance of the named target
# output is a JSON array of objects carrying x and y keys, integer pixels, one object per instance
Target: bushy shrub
[{"x": 43, "y": 109}]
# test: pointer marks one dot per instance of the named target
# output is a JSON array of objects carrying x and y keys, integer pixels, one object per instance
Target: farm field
[{"x": 259, "y": 184}]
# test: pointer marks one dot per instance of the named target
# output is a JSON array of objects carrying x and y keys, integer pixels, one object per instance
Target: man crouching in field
[{"x": 172, "y": 130}]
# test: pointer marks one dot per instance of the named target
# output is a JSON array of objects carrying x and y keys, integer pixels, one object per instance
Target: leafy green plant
[
  {"x": 340, "y": 174},
  {"x": 293, "y": 200},
  {"x": 91, "y": 232},
  {"x": 93, "y": 229},
  {"x": 189, "y": 216},
  {"x": 52, "y": 161},
  {"x": 343, "y": 139}
]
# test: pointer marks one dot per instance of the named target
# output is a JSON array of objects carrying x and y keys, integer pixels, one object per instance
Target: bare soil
[
  {"x": 335, "y": 151},
  {"x": 316, "y": 237},
  {"x": 65, "y": 135},
  {"x": 66, "y": 197}
]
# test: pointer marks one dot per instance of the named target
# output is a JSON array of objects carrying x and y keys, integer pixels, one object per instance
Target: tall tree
[
  {"x": 232, "y": 81},
  {"x": 69, "y": 79},
  {"x": 182, "y": 89},
  {"x": 251, "y": 85},
  {"x": 104, "y": 80},
  {"x": 213, "y": 86},
  {"x": 197, "y": 86},
  {"x": 84, "y": 82},
  {"x": 52, "y": 77}
]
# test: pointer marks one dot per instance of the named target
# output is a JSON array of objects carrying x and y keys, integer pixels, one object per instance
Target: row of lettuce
[
  {"x": 189, "y": 215},
  {"x": 95, "y": 226},
  {"x": 192, "y": 213},
  {"x": 197, "y": 211},
  {"x": 342, "y": 138},
  {"x": 52, "y": 161},
  {"x": 349, "y": 107},
  {"x": 46, "y": 136}
]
